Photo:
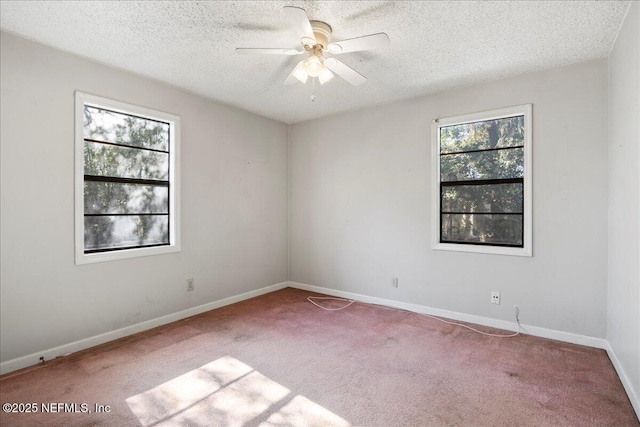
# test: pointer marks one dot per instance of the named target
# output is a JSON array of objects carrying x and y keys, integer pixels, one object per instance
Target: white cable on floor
[
  {"x": 475, "y": 330},
  {"x": 311, "y": 300},
  {"x": 350, "y": 301}
]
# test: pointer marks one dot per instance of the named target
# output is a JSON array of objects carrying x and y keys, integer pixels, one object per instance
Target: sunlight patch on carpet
[
  {"x": 301, "y": 412},
  {"x": 227, "y": 392}
]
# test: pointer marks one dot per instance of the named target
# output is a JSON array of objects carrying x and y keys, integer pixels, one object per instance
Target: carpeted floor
[{"x": 277, "y": 360}]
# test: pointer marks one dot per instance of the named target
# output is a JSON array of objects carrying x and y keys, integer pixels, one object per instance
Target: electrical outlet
[
  {"x": 190, "y": 285},
  {"x": 394, "y": 283},
  {"x": 495, "y": 297}
]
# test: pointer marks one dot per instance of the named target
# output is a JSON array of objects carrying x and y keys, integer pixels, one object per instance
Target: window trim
[
  {"x": 174, "y": 173},
  {"x": 519, "y": 110}
]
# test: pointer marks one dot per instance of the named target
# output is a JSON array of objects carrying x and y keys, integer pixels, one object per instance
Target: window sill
[
  {"x": 492, "y": 250},
  {"x": 83, "y": 258}
]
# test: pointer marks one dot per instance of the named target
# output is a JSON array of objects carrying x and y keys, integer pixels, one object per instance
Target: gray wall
[
  {"x": 360, "y": 204},
  {"x": 623, "y": 330},
  {"x": 234, "y": 198}
]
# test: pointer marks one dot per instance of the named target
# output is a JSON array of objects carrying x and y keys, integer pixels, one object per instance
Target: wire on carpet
[
  {"x": 350, "y": 301},
  {"x": 311, "y": 300}
]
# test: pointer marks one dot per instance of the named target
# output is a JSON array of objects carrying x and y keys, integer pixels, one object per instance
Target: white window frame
[
  {"x": 519, "y": 110},
  {"x": 82, "y": 99}
]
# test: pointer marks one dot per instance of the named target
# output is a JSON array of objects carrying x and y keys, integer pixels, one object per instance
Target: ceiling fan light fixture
[
  {"x": 325, "y": 75},
  {"x": 300, "y": 73},
  {"x": 314, "y": 66}
]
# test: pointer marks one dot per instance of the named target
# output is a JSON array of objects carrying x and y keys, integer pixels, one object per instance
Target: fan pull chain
[{"x": 313, "y": 89}]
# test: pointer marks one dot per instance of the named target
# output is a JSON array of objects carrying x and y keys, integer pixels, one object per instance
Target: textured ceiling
[{"x": 434, "y": 45}]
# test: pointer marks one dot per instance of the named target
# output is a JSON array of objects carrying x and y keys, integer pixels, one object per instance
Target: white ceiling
[{"x": 435, "y": 45}]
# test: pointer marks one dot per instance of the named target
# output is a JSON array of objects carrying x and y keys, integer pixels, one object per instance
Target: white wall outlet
[
  {"x": 190, "y": 285},
  {"x": 394, "y": 283},
  {"x": 495, "y": 297}
]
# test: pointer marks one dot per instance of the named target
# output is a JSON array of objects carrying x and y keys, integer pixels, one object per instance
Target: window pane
[
  {"x": 123, "y": 162},
  {"x": 483, "y": 165},
  {"x": 479, "y": 228},
  {"x": 113, "y": 197},
  {"x": 105, "y": 125},
  {"x": 106, "y": 232},
  {"x": 499, "y": 133},
  {"x": 482, "y": 198}
]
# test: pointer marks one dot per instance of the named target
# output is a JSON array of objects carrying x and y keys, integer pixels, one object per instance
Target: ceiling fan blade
[
  {"x": 291, "y": 79},
  {"x": 268, "y": 51},
  {"x": 298, "y": 17},
  {"x": 344, "y": 71},
  {"x": 371, "y": 41}
]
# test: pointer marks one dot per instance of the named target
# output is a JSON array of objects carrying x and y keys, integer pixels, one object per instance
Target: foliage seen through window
[
  {"x": 126, "y": 181},
  {"x": 482, "y": 182}
]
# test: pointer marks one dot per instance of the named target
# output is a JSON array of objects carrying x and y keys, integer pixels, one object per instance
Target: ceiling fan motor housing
[{"x": 322, "y": 32}]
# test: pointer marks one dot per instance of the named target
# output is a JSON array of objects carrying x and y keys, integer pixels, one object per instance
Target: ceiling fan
[{"x": 315, "y": 38}]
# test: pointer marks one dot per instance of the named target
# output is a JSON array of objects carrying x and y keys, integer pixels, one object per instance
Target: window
[
  {"x": 126, "y": 197},
  {"x": 482, "y": 182}
]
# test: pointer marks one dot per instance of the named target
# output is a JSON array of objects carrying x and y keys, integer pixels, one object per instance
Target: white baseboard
[
  {"x": 34, "y": 358},
  {"x": 494, "y": 323},
  {"x": 484, "y": 321},
  {"x": 634, "y": 397}
]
